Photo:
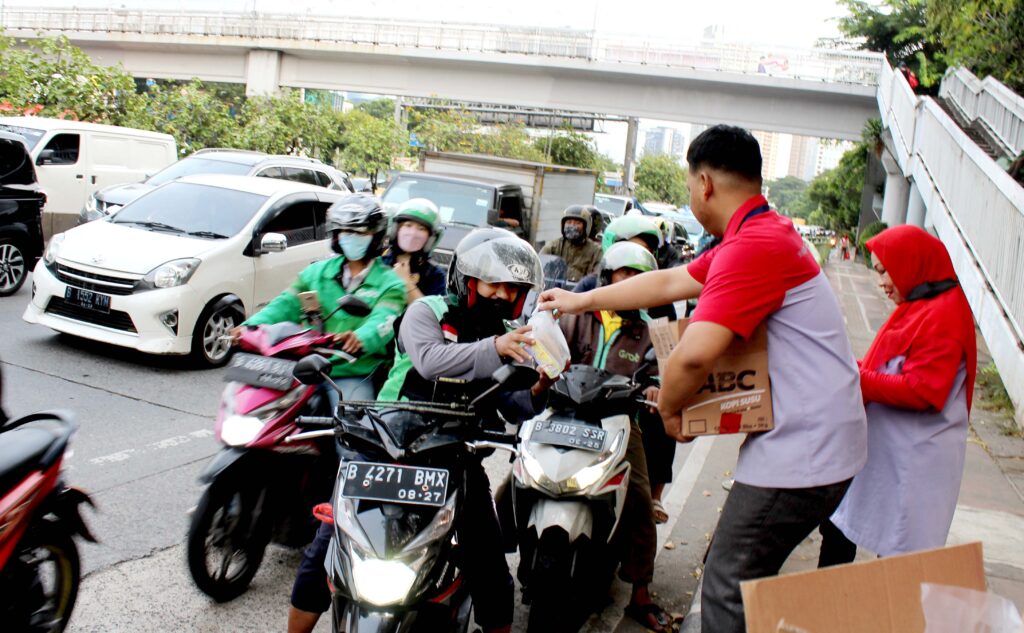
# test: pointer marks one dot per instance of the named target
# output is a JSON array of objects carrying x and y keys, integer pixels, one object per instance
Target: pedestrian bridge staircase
[{"x": 947, "y": 148}]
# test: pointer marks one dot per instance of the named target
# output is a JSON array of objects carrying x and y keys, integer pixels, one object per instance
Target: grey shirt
[{"x": 435, "y": 356}]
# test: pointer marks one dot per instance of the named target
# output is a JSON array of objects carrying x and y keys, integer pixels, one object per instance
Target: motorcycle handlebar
[{"x": 320, "y": 421}]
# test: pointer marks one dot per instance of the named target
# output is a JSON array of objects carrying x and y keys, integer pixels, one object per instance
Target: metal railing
[
  {"x": 988, "y": 101},
  {"x": 824, "y": 65},
  {"x": 987, "y": 205}
]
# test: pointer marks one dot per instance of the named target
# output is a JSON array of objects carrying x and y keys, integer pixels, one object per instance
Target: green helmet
[
  {"x": 629, "y": 226},
  {"x": 421, "y": 211},
  {"x": 628, "y": 255}
]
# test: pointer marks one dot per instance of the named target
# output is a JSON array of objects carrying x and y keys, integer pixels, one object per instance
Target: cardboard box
[
  {"x": 879, "y": 596},
  {"x": 737, "y": 396}
]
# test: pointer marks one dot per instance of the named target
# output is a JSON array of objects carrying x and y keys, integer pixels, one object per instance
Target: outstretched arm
[{"x": 655, "y": 288}]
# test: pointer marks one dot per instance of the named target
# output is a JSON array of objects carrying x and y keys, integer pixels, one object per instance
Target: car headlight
[
  {"x": 53, "y": 248},
  {"x": 239, "y": 430},
  {"x": 381, "y": 582},
  {"x": 173, "y": 273}
]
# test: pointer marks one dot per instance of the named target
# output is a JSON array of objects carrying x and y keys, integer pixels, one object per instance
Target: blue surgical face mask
[{"x": 354, "y": 245}]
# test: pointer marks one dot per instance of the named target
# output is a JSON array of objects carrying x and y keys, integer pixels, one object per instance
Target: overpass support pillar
[
  {"x": 897, "y": 193},
  {"x": 262, "y": 73},
  {"x": 629, "y": 161},
  {"x": 915, "y": 207}
]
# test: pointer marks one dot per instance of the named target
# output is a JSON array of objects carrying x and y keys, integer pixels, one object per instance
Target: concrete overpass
[{"x": 820, "y": 92}]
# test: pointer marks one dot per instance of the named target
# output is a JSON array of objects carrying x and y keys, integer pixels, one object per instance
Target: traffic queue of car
[{"x": 179, "y": 257}]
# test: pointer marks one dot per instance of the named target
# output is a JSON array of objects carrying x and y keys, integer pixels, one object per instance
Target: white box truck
[{"x": 473, "y": 190}]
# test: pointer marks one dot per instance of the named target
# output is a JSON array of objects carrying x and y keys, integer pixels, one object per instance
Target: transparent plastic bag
[
  {"x": 957, "y": 610},
  {"x": 549, "y": 349}
]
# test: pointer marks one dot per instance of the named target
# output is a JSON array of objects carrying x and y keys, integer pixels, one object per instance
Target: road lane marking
[{"x": 159, "y": 445}]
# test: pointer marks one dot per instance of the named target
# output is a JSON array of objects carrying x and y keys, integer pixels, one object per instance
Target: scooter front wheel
[
  {"x": 40, "y": 584},
  {"x": 227, "y": 539}
]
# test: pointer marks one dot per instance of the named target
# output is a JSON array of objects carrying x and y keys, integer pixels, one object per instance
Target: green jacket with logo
[
  {"x": 382, "y": 289},
  {"x": 622, "y": 354}
]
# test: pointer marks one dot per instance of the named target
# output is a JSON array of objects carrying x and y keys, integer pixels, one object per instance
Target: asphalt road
[{"x": 146, "y": 431}]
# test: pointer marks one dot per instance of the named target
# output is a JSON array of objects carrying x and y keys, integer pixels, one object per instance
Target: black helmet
[
  {"x": 360, "y": 213},
  {"x": 495, "y": 256},
  {"x": 582, "y": 212}
]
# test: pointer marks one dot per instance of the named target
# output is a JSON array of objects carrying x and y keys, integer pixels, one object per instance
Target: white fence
[
  {"x": 991, "y": 103},
  {"x": 832, "y": 66}
]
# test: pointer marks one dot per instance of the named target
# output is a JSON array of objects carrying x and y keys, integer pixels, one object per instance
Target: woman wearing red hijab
[{"x": 917, "y": 379}]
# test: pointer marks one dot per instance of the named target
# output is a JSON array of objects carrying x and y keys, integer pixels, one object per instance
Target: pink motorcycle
[{"x": 261, "y": 484}]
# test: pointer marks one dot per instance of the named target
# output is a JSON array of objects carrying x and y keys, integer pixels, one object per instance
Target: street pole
[{"x": 629, "y": 161}]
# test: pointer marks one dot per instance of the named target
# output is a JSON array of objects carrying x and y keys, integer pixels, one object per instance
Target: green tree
[
  {"x": 51, "y": 77},
  {"x": 507, "y": 141},
  {"x": 986, "y": 36},
  {"x": 570, "y": 148},
  {"x": 789, "y": 195},
  {"x": 444, "y": 130},
  {"x": 379, "y": 108},
  {"x": 659, "y": 177},
  {"x": 195, "y": 116},
  {"x": 898, "y": 28},
  {"x": 284, "y": 124},
  {"x": 370, "y": 144},
  {"x": 836, "y": 193}
]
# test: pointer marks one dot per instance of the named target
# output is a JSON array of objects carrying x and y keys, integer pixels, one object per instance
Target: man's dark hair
[{"x": 727, "y": 148}]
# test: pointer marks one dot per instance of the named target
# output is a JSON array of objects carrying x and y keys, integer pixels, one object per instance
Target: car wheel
[
  {"x": 211, "y": 344},
  {"x": 13, "y": 267}
]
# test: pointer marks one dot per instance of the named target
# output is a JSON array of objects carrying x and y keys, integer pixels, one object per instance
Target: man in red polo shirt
[{"x": 790, "y": 479}]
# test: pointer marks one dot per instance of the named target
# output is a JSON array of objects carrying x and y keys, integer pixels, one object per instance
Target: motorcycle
[
  {"x": 569, "y": 485},
  {"x": 260, "y": 486},
  {"x": 392, "y": 564},
  {"x": 39, "y": 520}
]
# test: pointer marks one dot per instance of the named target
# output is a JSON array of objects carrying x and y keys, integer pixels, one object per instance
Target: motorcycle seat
[{"x": 21, "y": 450}]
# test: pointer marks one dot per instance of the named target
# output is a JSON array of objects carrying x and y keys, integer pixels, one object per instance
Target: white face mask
[{"x": 412, "y": 239}]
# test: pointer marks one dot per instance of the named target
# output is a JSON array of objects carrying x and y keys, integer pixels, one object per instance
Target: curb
[{"x": 691, "y": 623}]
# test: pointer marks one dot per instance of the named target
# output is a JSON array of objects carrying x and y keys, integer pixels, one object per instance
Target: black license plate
[
  {"x": 87, "y": 299},
  {"x": 394, "y": 484},
  {"x": 569, "y": 435},
  {"x": 260, "y": 371}
]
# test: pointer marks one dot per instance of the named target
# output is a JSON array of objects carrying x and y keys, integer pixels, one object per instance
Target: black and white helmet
[
  {"x": 359, "y": 213},
  {"x": 495, "y": 256}
]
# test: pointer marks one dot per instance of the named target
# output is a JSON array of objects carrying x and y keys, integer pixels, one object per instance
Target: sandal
[
  {"x": 642, "y": 614},
  {"x": 660, "y": 516}
]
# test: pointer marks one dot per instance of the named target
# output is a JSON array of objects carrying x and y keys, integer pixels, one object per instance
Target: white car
[{"x": 174, "y": 270}]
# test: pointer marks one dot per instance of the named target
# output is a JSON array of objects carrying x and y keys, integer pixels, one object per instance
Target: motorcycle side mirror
[
  {"x": 312, "y": 370},
  {"x": 354, "y": 306},
  {"x": 512, "y": 377}
]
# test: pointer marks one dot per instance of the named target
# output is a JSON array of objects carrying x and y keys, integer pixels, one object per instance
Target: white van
[{"x": 73, "y": 159}]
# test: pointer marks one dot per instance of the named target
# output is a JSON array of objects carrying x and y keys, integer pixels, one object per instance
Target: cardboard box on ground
[
  {"x": 737, "y": 396},
  {"x": 879, "y": 596}
]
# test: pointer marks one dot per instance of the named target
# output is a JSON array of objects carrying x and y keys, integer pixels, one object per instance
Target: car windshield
[
  {"x": 690, "y": 223},
  {"x": 459, "y": 203},
  {"x": 196, "y": 165},
  {"x": 615, "y": 206},
  {"x": 191, "y": 209},
  {"x": 30, "y": 134}
]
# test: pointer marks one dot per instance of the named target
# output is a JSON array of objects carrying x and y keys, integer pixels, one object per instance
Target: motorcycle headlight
[
  {"x": 239, "y": 430},
  {"x": 173, "y": 273},
  {"x": 381, "y": 582},
  {"x": 53, "y": 248}
]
